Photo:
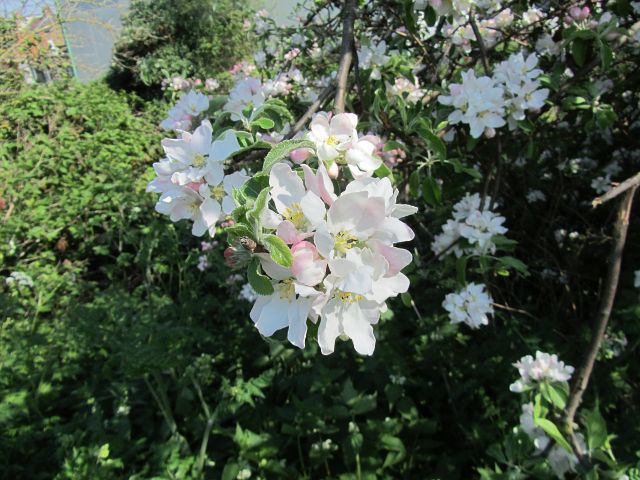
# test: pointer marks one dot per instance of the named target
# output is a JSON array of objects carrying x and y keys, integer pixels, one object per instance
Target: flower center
[
  {"x": 348, "y": 297},
  {"x": 286, "y": 290},
  {"x": 294, "y": 215},
  {"x": 199, "y": 160},
  {"x": 217, "y": 193},
  {"x": 332, "y": 140},
  {"x": 344, "y": 241}
]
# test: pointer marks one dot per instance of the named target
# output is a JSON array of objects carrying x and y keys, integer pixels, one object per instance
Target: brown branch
[
  {"x": 315, "y": 106},
  {"x": 346, "y": 54},
  {"x": 632, "y": 182},
  {"x": 483, "y": 48},
  {"x": 604, "y": 312}
]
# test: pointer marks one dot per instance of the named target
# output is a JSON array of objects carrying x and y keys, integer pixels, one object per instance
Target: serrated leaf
[
  {"x": 554, "y": 395},
  {"x": 281, "y": 150},
  {"x": 254, "y": 186},
  {"x": 382, "y": 171},
  {"x": 239, "y": 230},
  {"x": 279, "y": 251},
  {"x": 258, "y": 281},
  {"x": 552, "y": 430}
]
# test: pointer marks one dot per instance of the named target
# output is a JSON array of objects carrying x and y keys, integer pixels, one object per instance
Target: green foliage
[{"x": 190, "y": 38}]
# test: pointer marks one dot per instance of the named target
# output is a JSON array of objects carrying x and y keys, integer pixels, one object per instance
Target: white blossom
[
  {"x": 545, "y": 367},
  {"x": 182, "y": 113},
  {"x": 471, "y": 305}
]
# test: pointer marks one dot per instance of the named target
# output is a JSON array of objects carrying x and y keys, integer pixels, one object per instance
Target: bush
[{"x": 164, "y": 39}]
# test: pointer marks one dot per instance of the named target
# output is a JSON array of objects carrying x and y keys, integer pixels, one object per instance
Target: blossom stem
[
  {"x": 604, "y": 312},
  {"x": 346, "y": 54},
  {"x": 481, "y": 45},
  {"x": 632, "y": 182}
]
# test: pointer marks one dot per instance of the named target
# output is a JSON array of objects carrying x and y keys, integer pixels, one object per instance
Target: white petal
[{"x": 358, "y": 329}]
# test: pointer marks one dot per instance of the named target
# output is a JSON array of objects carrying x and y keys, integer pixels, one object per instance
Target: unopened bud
[{"x": 334, "y": 171}]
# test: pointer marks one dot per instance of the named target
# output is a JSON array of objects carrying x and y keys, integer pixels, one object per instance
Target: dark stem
[
  {"x": 604, "y": 312},
  {"x": 346, "y": 54}
]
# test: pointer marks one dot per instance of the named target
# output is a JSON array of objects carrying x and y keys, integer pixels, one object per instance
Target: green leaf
[
  {"x": 514, "y": 263},
  {"x": 280, "y": 252},
  {"x": 103, "y": 453},
  {"x": 258, "y": 281},
  {"x": 281, "y": 150},
  {"x": 579, "y": 48},
  {"x": 254, "y": 186},
  {"x": 431, "y": 191},
  {"x": 554, "y": 394},
  {"x": 550, "y": 429},
  {"x": 596, "y": 429},
  {"x": 382, "y": 171},
  {"x": 260, "y": 203},
  {"x": 606, "y": 55},
  {"x": 414, "y": 184},
  {"x": 263, "y": 122},
  {"x": 240, "y": 230},
  {"x": 406, "y": 299}
]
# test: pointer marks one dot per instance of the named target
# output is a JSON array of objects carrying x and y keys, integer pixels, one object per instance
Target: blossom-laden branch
[
  {"x": 604, "y": 312},
  {"x": 346, "y": 54}
]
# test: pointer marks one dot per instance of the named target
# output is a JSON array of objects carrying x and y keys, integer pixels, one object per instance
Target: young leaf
[
  {"x": 258, "y": 281},
  {"x": 596, "y": 429},
  {"x": 264, "y": 123},
  {"x": 431, "y": 191},
  {"x": 280, "y": 252},
  {"x": 550, "y": 429},
  {"x": 239, "y": 230},
  {"x": 281, "y": 150}
]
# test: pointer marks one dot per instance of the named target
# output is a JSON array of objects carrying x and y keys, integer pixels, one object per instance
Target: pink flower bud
[
  {"x": 299, "y": 155},
  {"x": 228, "y": 255}
]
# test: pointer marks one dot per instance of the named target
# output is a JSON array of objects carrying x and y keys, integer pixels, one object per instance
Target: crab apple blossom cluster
[
  {"x": 471, "y": 305},
  {"x": 182, "y": 114},
  {"x": 545, "y": 367},
  {"x": 471, "y": 231},
  {"x": 337, "y": 140},
  {"x": 486, "y": 103},
  {"x": 191, "y": 179},
  {"x": 345, "y": 263}
]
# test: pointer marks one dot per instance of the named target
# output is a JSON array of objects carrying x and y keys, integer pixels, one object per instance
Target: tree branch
[
  {"x": 346, "y": 54},
  {"x": 604, "y": 312},
  {"x": 302, "y": 121},
  {"x": 631, "y": 182}
]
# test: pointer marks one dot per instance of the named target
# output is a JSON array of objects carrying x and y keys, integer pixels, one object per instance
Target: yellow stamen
[
  {"x": 294, "y": 215},
  {"x": 344, "y": 241}
]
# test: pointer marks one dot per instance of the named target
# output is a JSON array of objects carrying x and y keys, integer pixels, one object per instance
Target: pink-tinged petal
[
  {"x": 319, "y": 183},
  {"x": 344, "y": 124},
  {"x": 358, "y": 329},
  {"x": 330, "y": 327},
  {"x": 308, "y": 268},
  {"x": 299, "y": 155},
  {"x": 357, "y": 214},
  {"x": 287, "y": 232},
  {"x": 398, "y": 258},
  {"x": 286, "y": 186}
]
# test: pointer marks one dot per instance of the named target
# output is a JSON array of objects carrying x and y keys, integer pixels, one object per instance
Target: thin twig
[
  {"x": 346, "y": 54},
  {"x": 315, "y": 106},
  {"x": 604, "y": 312},
  {"x": 632, "y": 182}
]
